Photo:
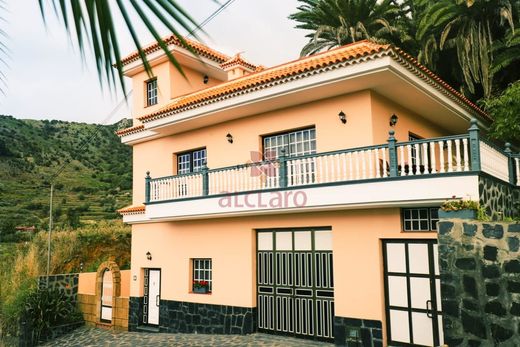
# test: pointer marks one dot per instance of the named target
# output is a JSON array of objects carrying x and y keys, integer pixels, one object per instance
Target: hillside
[{"x": 96, "y": 179}]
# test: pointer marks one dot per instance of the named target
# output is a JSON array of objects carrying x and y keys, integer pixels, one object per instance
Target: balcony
[{"x": 419, "y": 172}]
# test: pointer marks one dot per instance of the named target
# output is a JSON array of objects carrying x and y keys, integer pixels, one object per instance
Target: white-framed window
[
  {"x": 191, "y": 161},
  {"x": 420, "y": 219},
  {"x": 295, "y": 143},
  {"x": 151, "y": 92},
  {"x": 202, "y": 271}
]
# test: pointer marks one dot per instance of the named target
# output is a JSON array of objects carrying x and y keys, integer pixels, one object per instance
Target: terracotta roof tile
[
  {"x": 131, "y": 130},
  {"x": 237, "y": 60},
  {"x": 355, "y": 50},
  {"x": 341, "y": 54},
  {"x": 132, "y": 209},
  {"x": 198, "y": 47}
]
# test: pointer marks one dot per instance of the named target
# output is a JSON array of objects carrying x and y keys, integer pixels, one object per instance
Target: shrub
[
  {"x": 47, "y": 308},
  {"x": 459, "y": 204}
]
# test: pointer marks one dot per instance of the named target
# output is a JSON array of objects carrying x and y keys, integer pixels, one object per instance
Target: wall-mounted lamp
[
  {"x": 148, "y": 255},
  {"x": 342, "y": 117},
  {"x": 393, "y": 120},
  {"x": 229, "y": 138},
  {"x": 134, "y": 278},
  {"x": 205, "y": 79}
]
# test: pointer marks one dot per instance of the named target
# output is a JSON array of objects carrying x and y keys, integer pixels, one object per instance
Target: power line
[
  {"x": 91, "y": 137},
  {"x": 211, "y": 16}
]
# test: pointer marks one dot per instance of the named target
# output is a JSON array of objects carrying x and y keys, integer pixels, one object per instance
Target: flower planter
[
  {"x": 461, "y": 214},
  {"x": 200, "y": 290}
]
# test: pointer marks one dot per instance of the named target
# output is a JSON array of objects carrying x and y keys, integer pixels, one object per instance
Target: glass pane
[
  {"x": 265, "y": 241},
  {"x": 396, "y": 261},
  {"x": 399, "y": 326},
  {"x": 418, "y": 255},
  {"x": 323, "y": 240},
  {"x": 422, "y": 329},
  {"x": 302, "y": 241},
  {"x": 284, "y": 241},
  {"x": 397, "y": 293},
  {"x": 419, "y": 292}
]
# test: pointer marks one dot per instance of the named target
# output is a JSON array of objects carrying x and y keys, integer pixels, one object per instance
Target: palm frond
[{"x": 92, "y": 23}]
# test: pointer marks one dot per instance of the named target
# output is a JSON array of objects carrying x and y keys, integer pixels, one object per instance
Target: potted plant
[
  {"x": 459, "y": 208},
  {"x": 201, "y": 287}
]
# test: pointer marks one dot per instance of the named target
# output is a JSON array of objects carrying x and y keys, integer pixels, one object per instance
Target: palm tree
[
  {"x": 469, "y": 27},
  {"x": 337, "y": 22},
  {"x": 90, "y": 23}
]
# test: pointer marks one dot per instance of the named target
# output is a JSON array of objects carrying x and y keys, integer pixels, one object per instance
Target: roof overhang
[
  {"x": 184, "y": 57},
  {"x": 383, "y": 74}
]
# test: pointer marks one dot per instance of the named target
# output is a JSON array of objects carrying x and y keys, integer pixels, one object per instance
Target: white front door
[
  {"x": 412, "y": 285},
  {"x": 152, "y": 295}
]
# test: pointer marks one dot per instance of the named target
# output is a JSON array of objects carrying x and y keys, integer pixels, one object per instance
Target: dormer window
[{"x": 151, "y": 92}]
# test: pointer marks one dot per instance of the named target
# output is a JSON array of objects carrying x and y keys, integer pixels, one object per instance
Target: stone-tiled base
[
  {"x": 188, "y": 317},
  {"x": 66, "y": 283},
  {"x": 357, "y": 332},
  {"x": 135, "y": 312}
]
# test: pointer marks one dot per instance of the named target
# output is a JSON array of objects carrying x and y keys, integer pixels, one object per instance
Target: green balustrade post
[
  {"x": 510, "y": 163},
  {"x": 147, "y": 180},
  {"x": 474, "y": 145},
  {"x": 282, "y": 172},
  {"x": 392, "y": 153},
  {"x": 205, "y": 180}
]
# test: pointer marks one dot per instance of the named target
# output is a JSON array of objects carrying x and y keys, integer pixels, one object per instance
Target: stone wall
[
  {"x": 87, "y": 306},
  {"x": 500, "y": 199},
  {"x": 67, "y": 283},
  {"x": 357, "y": 332},
  {"x": 189, "y": 317},
  {"x": 480, "y": 282}
]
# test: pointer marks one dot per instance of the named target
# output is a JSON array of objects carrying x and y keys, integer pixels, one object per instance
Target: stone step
[{"x": 148, "y": 329}]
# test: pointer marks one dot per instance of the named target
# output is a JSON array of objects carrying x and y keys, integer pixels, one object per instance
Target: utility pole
[{"x": 49, "y": 239}]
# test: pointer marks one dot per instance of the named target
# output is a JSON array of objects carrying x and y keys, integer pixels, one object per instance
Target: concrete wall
[
  {"x": 87, "y": 283},
  {"x": 480, "y": 282}
]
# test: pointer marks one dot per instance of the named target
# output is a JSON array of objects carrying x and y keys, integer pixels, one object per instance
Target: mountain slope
[{"x": 95, "y": 168}]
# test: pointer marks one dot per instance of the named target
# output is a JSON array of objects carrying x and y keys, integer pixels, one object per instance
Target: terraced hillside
[{"x": 96, "y": 177}]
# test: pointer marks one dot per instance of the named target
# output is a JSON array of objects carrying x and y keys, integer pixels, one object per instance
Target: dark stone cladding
[
  {"x": 135, "y": 307},
  {"x": 357, "y": 332},
  {"x": 480, "y": 286},
  {"x": 498, "y": 197},
  {"x": 66, "y": 283},
  {"x": 189, "y": 317}
]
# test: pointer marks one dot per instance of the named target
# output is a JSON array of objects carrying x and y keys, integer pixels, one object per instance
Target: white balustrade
[
  {"x": 243, "y": 178},
  {"x": 176, "y": 187},
  {"x": 494, "y": 162},
  {"x": 438, "y": 156},
  {"x": 346, "y": 166},
  {"x": 430, "y": 157}
]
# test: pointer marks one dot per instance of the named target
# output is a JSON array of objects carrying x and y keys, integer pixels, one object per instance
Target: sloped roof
[
  {"x": 237, "y": 60},
  {"x": 132, "y": 209},
  {"x": 362, "y": 49},
  {"x": 198, "y": 47}
]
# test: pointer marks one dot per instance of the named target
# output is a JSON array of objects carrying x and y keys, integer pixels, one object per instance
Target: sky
[{"x": 47, "y": 78}]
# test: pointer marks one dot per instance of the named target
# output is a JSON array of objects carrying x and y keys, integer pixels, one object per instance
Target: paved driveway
[{"x": 84, "y": 337}]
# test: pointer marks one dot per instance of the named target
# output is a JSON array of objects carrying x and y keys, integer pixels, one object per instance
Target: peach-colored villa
[{"x": 299, "y": 199}]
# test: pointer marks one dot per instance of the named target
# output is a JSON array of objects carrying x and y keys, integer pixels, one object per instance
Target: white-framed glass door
[{"x": 412, "y": 293}]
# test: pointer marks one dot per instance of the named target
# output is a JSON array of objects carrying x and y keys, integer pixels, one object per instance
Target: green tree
[
  {"x": 335, "y": 23},
  {"x": 505, "y": 108},
  {"x": 469, "y": 27},
  {"x": 73, "y": 218}
]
